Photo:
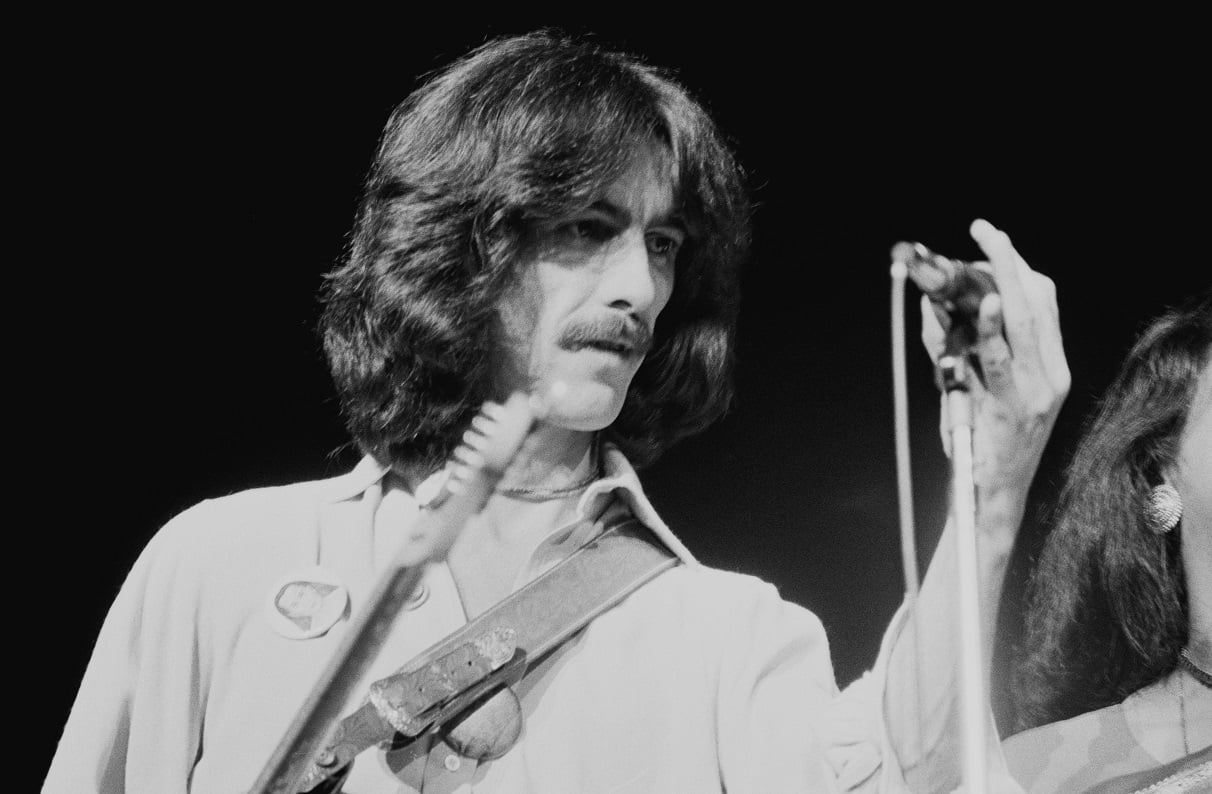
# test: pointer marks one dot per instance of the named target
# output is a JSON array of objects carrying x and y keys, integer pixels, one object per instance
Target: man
[{"x": 547, "y": 218}]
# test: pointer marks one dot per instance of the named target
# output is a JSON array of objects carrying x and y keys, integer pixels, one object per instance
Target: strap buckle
[{"x": 414, "y": 700}]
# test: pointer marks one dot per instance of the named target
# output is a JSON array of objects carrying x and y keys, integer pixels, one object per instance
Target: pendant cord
[{"x": 546, "y": 494}]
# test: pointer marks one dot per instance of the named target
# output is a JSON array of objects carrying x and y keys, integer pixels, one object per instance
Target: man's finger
[
  {"x": 934, "y": 327},
  {"x": 995, "y": 355},
  {"x": 1010, "y": 272}
]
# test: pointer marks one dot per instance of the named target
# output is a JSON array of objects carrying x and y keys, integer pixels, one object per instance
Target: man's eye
[
  {"x": 589, "y": 230},
  {"x": 663, "y": 245}
]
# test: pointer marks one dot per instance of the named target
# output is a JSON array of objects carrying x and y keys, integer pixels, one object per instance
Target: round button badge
[{"x": 306, "y": 603}]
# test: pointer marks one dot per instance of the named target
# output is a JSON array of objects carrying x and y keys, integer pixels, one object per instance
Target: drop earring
[{"x": 1163, "y": 508}]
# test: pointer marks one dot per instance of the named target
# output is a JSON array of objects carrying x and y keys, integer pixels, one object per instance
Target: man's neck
[
  {"x": 538, "y": 495},
  {"x": 551, "y": 460}
]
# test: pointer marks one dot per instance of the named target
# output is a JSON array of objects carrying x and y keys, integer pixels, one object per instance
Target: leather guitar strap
[{"x": 497, "y": 647}]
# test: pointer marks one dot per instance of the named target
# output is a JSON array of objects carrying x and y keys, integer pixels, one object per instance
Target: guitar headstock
[
  {"x": 489, "y": 445},
  {"x": 488, "y": 448},
  {"x": 493, "y": 440}
]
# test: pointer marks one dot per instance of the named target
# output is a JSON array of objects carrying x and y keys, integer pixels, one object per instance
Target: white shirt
[{"x": 700, "y": 681}]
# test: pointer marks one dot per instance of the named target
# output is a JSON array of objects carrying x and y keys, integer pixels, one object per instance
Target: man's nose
[{"x": 629, "y": 282}]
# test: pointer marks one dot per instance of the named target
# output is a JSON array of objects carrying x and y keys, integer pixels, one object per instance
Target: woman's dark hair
[
  {"x": 519, "y": 131},
  {"x": 1107, "y": 608}
]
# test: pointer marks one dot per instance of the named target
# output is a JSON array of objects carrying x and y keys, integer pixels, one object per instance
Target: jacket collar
[{"x": 619, "y": 478}]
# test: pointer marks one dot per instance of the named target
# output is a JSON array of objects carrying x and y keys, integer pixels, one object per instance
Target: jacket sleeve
[
  {"x": 865, "y": 757},
  {"x": 785, "y": 727},
  {"x": 135, "y": 723},
  {"x": 775, "y": 683}
]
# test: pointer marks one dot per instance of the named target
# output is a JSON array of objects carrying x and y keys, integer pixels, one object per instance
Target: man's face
[{"x": 587, "y": 299}]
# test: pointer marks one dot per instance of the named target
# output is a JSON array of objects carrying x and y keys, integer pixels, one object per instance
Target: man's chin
[{"x": 586, "y": 407}]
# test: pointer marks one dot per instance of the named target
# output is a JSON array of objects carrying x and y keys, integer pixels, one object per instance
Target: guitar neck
[
  {"x": 495, "y": 439},
  {"x": 287, "y": 768}
]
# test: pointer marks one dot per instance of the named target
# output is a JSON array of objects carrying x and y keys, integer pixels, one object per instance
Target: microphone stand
[{"x": 954, "y": 374}]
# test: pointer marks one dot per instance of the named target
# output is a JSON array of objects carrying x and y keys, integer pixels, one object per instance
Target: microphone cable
[{"x": 899, "y": 272}]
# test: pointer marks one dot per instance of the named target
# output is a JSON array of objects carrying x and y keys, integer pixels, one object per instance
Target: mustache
[{"x": 615, "y": 331}]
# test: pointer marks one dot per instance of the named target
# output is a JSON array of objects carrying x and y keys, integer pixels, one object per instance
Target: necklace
[
  {"x": 1182, "y": 712},
  {"x": 1198, "y": 673},
  {"x": 545, "y": 494}
]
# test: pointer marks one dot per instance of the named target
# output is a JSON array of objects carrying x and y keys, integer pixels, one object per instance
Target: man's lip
[{"x": 606, "y": 346}]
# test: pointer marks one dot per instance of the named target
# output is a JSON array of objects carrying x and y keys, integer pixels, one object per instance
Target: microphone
[{"x": 957, "y": 286}]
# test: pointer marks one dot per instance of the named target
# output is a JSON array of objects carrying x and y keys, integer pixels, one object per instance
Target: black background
[{"x": 199, "y": 175}]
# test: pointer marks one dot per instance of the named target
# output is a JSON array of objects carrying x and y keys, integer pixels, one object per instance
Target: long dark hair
[
  {"x": 1107, "y": 608},
  {"x": 521, "y": 130}
]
